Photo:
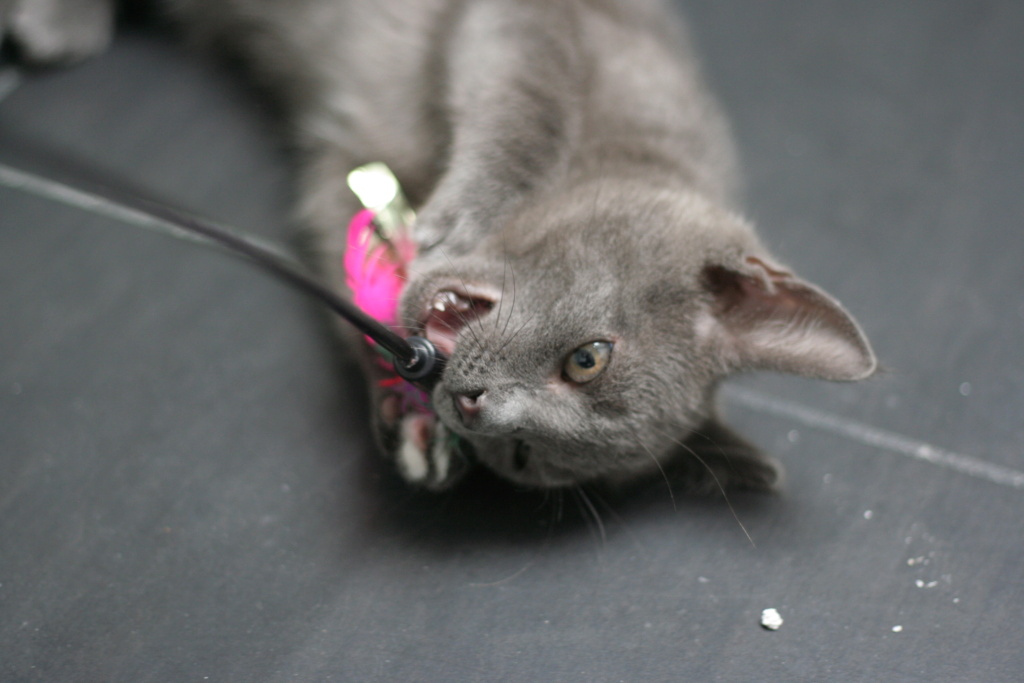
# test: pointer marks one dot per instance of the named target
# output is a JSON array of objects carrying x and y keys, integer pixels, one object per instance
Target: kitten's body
[{"x": 572, "y": 177}]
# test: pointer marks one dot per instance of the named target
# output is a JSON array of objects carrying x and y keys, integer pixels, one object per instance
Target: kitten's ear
[{"x": 764, "y": 317}]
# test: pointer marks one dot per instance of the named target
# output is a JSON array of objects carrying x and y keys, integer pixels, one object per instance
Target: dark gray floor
[{"x": 188, "y": 491}]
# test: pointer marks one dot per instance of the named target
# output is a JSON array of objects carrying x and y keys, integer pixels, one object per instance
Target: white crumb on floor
[
  {"x": 897, "y": 629},
  {"x": 868, "y": 514},
  {"x": 771, "y": 619}
]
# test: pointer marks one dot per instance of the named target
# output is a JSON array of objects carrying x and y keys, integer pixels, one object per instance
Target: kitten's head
[{"x": 585, "y": 338}]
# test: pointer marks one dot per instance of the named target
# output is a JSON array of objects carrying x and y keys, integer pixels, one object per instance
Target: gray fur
[{"x": 568, "y": 164}]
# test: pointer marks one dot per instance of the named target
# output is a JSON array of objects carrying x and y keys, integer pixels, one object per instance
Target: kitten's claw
[
  {"x": 427, "y": 455},
  {"x": 412, "y": 452}
]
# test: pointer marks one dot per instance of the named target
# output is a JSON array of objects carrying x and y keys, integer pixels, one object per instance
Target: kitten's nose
[{"x": 469, "y": 404}]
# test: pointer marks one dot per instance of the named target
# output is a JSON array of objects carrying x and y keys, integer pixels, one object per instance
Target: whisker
[
  {"x": 718, "y": 483},
  {"x": 668, "y": 484},
  {"x": 618, "y": 518},
  {"x": 466, "y": 325},
  {"x": 504, "y": 271},
  {"x": 516, "y": 333},
  {"x": 463, "y": 318},
  {"x": 512, "y": 309},
  {"x": 551, "y": 501},
  {"x": 547, "y": 502},
  {"x": 581, "y": 497},
  {"x": 466, "y": 322},
  {"x": 718, "y": 446},
  {"x": 465, "y": 288}
]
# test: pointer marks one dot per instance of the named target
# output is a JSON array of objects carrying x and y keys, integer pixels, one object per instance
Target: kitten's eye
[{"x": 588, "y": 361}]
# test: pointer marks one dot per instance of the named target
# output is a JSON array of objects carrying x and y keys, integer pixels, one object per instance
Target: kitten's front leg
[{"x": 513, "y": 100}]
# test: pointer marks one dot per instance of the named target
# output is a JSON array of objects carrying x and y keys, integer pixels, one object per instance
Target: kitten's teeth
[{"x": 441, "y": 301}]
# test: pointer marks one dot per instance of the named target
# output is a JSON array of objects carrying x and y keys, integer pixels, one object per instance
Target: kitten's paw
[
  {"x": 58, "y": 31},
  {"x": 428, "y": 454},
  {"x": 717, "y": 459},
  {"x": 742, "y": 472}
]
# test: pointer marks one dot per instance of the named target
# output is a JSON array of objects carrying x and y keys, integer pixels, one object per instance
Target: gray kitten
[{"x": 580, "y": 261}]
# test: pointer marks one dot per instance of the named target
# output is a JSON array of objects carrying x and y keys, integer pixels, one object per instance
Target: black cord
[
  {"x": 416, "y": 358},
  {"x": 271, "y": 263}
]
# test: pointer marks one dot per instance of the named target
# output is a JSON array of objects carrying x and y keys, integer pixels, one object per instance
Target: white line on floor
[
  {"x": 86, "y": 201},
  {"x": 69, "y": 196},
  {"x": 872, "y": 436}
]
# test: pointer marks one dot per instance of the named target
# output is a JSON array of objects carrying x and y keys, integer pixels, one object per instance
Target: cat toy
[{"x": 379, "y": 247}]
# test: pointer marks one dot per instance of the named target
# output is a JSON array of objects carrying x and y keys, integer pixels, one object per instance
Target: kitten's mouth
[{"x": 449, "y": 311}]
